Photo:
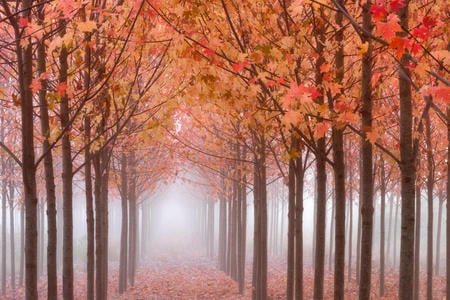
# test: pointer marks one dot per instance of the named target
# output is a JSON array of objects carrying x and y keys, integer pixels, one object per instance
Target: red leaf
[
  {"x": 239, "y": 67},
  {"x": 209, "y": 52},
  {"x": 61, "y": 89},
  {"x": 378, "y": 12},
  {"x": 395, "y": 5},
  {"x": 422, "y": 32},
  {"x": 429, "y": 22},
  {"x": 23, "y": 22}
]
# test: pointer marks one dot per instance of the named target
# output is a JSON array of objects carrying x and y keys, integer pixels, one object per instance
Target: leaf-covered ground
[{"x": 197, "y": 278}]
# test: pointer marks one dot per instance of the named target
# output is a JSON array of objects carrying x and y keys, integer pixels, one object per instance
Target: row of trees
[{"x": 270, "y": 88}]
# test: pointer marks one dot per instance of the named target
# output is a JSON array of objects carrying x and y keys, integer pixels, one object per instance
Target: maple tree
[{"x": 245, "y": 93}]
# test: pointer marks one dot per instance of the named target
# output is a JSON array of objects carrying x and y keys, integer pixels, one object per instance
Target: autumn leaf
[
  {"x": 23, "y": 22},
  {"x": 378, "y": 12},
  {"x": 238, "y": 67},
  {"x": 321, "y": 129},
  {"x": 389, "y": 29},
  {"x": 396, "y": 5},
  {"x": 35, "y": 85},
  {"x": 398, "y": 44},
  {"x": 88, "y": 26},
  {"x": 363, "y": 48},
  {"x": 61, "y": 89}
]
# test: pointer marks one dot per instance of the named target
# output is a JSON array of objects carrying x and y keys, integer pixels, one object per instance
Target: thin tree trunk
[
  {"x": 438, "y": 236},
  {"x": 389, "y": 238},
  {"x": 260, "y": 239},
  {"x": 358, "y": 239},
  {"x": 25, "y": 68},
  {"x": 11, "y": 235},
  {"x": 4, "y": 200},
  {"x": 90, "y": 264},
  {"x": 52, "y": 278},
  {"x": 124, "y": 228},
  {"x": 222, "y": 229},
  {"x": 430, "y": 183},
  {"x": 417, "y": 248},
  {"x": 447, "y": 254},
  {"x": 350, "y": 231},
  {"x": 395, "y": 251},
  {"x": 22, "y": 245},
  {"x": 331, "y": 248},
  {"x": 299, "y": 187},
  {"x": 367, "y": 163},
  {"x": 408, "y": 171},
  {"x": 67, "y": 193},
  {"x": 382, "y": 224},
  {"x": 319, "y": 260},
  {"x": 339, "y": 172},
  {"x": 132, "y": 220},
  {"x": 291, "y": 231}
]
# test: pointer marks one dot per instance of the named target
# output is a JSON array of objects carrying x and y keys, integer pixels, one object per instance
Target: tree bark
[
  {"x": 4, "y": 200},
  {"x": 299, "y": 187},
  {"x": 67, "y": 192},
  {"x": 133, "y": 224},
  {"x": 382, "y": 224},
  {"x": 447, "y": 254},
  {"x": 52, "y": 278},
  {"x": 417, "y": 247},
  {"x": 260, "y": 205},
  {"x": 339, "y": 172},
  {"x": 291, "y": 230},
  {"x": 438, "y": 235},
  {"x": 25, "y": 67},
  {"x": 90, "y": 264},
  {"x": 124, "y": 228},
  {"x": 11, "y": 235},
  {"x": 367, "y": 163},
  {"x": 321, "y": 154},
  {"x": 408, "y": 172},
  {"x": 430, "y": 184}
]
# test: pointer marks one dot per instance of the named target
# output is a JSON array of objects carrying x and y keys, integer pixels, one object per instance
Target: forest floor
[{"x": 180, "y": 278}]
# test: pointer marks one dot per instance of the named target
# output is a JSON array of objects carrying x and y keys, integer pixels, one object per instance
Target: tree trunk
[
  {"x": 90, "y": 264},
  {"x": 67, "y": 193},
  {"x": 222, "y": 229},
  {"x": 22, "y": 245},
  {"x": 350, "y": 231},
  {"x": 11, "y": 235},
  {"x": 101, "y": 168},
  {"x": 124, "y": 228},
  {"x": 132, "y": 198},
  {"x": 417, "y": 248},
  {"x": 211, "y": 228},
  {"x": 447, "y": 254},
  {"x": 395, "y": 254},
  {"x": 52, "y": 276},
  {"x": 408, "y": 172},
  {"x": 340, "y": 203},
  {"x": 339, "y": 172},
  {"x": 299, "y": 187},
  {"x": 430, "y": 183},
  {"x": 389, "y": 238},
  {"x": 438, "y": 236},
  {"x": 291, "y": 230},
  {"x": 25, "y": 68},
  {"x": 382, "y": 224},
  {"x": 260, "y": 239},
  {"x": 330, "y": 248},
  {"x": 243, "y": 232},
  {"x": 4, "y": 195},
  {"x": 367, "y": 164},
  {"x": 321, "y": 153}
]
